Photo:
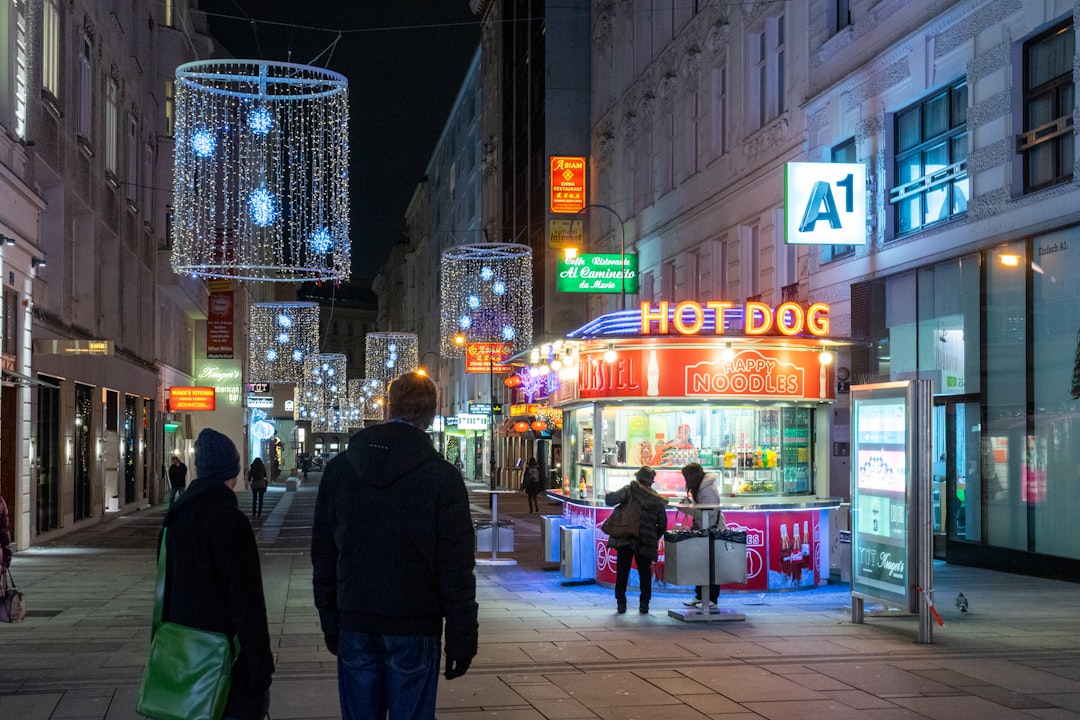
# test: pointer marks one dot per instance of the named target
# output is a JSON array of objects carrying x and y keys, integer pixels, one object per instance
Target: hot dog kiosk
[{"x": 742, "y": 389}]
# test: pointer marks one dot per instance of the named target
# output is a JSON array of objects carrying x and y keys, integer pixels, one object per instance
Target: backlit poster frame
[{"x": 884, "y": 467}]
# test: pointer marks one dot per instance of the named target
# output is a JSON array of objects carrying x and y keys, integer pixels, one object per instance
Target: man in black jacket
[
  {"x": 212, "y": 578},
  {"x": 392, "y": 550}
]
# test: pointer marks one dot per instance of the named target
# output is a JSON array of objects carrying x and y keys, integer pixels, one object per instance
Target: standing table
[{"x": 495, "y": 559}]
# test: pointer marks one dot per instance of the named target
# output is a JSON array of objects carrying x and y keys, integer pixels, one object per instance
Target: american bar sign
[{"x": 598, "y": 274}]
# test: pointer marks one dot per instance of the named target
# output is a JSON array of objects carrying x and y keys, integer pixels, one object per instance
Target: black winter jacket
[
  {"x": 392, "y": 542},
  {"x": 213, "y": 582},
  {"x": 653, "y": 521}
]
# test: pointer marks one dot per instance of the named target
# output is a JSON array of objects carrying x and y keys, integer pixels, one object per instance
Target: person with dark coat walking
[
  {"x": 531, "y": 482},
  {"x": 177, "y": 478},
  {"x": 213, "y": 580},
  {"x": 258, "y": 484},
  {"x": 642, "y": 548},
  {"x": 392, "y": 550}
]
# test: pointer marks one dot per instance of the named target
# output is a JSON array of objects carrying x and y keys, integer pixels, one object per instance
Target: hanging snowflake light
[
  {"x": 366, "y": 400},
  {"x": 282, "y": 334},
  {"x": 323, "y": 397},
  {"x": 389, "y": 354},
  {"x": 486, "y": 296},
  {"x": 260, "y": 184}
]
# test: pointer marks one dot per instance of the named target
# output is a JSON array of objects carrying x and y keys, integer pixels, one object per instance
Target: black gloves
[
  {"x": 457, "y": 667},
  {"x": 331, "y": 642}
]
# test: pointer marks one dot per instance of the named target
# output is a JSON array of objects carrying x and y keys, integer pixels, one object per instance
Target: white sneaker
[{"x": 692, "y": 603}]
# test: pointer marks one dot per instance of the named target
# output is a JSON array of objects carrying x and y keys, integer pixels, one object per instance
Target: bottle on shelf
[{"x": 581, "y": 486}]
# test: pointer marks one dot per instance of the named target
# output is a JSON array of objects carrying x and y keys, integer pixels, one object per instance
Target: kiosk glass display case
[{"x": 753, "y": 449}]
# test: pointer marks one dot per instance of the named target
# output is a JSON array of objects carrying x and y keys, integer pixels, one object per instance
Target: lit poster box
[
  {"x": 824, "y": 203},
  {"x": 191, "y": 399}
]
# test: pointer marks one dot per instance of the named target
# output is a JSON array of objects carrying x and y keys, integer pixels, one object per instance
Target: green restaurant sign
[{"x": 598, "y": 274}]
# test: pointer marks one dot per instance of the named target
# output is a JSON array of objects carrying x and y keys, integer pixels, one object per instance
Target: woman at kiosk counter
[{"x": 701, "y": 489}]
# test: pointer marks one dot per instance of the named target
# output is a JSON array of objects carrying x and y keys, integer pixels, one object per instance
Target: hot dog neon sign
[{"x": 760, "y": 319}]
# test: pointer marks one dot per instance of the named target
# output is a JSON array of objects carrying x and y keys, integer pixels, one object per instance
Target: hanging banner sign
[
  {"x": 219, "y": 326},
  {"x": 567, "y": 184},
  {"x": 612, "y": 273},
  {"x": 566, "y": 233},
  {"x": 485, "y": 357},
  {"x": 191, "y": 399}
]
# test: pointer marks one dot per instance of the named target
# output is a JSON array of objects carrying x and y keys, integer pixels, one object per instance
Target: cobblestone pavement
[{"x": 555, "y": 650}]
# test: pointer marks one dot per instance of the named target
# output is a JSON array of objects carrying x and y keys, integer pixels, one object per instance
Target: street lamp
[
  {"x": 420, "y": 369},
  {"x": 622, "y": 247}
]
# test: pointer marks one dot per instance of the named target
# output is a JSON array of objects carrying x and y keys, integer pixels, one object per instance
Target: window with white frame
[
  {"x": 931, "y": 177},
  {"x": 693, "y": 275},
  {"x": 718, "y": 121},
  {"x": 645, "y": 287},
  {"x": 86, "y": 90},
  {"x": 718, "y": 269},
  {"x": 50, "y": 47},
  {"x": 845, "y": 152},
  {"x": 170, "y": 10},
  {"x": 148, "y": 184},
  {"x": 170, "y": 107},
  {"x": 664, "y": 151},
  {"x": 839, "y": 15},
  {"x": 667, "y": 280},
  {"x": 690, "y": 146},
  {"x": 131, "y": 178},
  {"x": 768, "y": 95},
  {"x": 1049, "y": 91},
  {"x": 112, "y": 126},
  {"x": 749, "y": 262}
]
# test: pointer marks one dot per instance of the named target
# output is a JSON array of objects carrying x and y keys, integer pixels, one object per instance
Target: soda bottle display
[
  {"x": 652, "y": 376},
  {"x": 796, "y": 554},
  {"x": 806, "y": 547},
  {"x": 785, "y": 551}
]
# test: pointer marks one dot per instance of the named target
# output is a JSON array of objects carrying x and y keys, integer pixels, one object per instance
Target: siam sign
[{"x": 689, "y": 318}]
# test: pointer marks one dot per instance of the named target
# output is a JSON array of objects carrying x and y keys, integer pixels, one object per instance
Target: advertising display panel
[{"x": 883, "y": 440}]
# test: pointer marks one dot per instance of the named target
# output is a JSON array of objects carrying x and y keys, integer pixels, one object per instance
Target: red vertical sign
[{"x": 219, "y": 324}]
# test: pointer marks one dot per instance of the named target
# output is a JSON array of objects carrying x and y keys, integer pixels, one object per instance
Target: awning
[{"x": 11, "y": 378}]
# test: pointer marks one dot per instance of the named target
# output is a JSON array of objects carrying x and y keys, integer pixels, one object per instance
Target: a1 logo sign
[{"x": 825, "y": 203}]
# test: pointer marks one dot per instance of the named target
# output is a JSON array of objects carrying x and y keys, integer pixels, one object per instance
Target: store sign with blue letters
[{"x": 824, "y": 203}]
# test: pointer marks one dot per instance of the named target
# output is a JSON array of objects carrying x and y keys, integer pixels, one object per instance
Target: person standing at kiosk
[
  {"x": 643, "y": 547},
  {"x": 701, "y": 488}
]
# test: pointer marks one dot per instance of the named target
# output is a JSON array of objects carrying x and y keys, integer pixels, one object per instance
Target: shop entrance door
[{"x": 956, "y": 433}]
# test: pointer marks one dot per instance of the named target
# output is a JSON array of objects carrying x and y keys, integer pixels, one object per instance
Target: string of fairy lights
[
  {"x": 485, "y": 297},
  {"x": 282, "y": 336},
  {"x": 260, "y": 183}
]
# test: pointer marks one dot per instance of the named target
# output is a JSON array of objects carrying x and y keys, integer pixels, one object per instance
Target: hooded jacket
[
  {"x": 392, "y": 541},
  {"x": 653, "y": 522},
  {"x": 708, "y": 494},
  {"x": 213, "y": 582}
]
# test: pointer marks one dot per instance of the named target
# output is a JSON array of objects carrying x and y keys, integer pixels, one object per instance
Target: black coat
[
  {"x": 213, "y": 582},
  {"x": 177, "y": 474},
  {"x": 392, "y": 543},
  {"x": 653, "y": 522}
]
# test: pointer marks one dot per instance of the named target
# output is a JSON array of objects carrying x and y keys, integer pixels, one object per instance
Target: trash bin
[
  {"x": 576, "y": 559},
  {"x": 843, "y": 555},
  {"x": 484, "y": 536},
  {"x": 729, "y": 556},
  {"x": 686, "y": 557},
  {"x": 549, "y": 536}
]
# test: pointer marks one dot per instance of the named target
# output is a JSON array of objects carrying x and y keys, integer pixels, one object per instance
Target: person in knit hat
[{"x": 213, "y": 578}]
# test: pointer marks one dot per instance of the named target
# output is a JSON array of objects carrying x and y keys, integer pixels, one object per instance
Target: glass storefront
[{"x": 998, "y": 334}]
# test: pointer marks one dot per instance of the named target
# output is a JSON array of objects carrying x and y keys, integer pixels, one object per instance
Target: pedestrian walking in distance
[
  {"x": 177, "y": 478},
  {"x": 531, "y": 483},
  {"x": 258, "y": 484},
  {"x": 392, "y": 553}
]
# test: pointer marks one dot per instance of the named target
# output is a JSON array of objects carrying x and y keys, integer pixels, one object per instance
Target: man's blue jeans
[{"x": 388, "y": 676}]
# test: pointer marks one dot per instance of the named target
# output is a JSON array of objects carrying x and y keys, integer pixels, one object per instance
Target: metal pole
[
  {"x": 622, "y": 249},
  {"x": 491, "y": 412}
]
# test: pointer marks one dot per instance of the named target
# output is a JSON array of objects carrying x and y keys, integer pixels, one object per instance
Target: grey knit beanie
[{"x": 216, "y": 457}]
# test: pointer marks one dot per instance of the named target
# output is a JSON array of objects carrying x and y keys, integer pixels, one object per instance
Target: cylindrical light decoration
[
  {"x": 260, "y": 183},
  {"x": 389, "y": 354},
  {"x": 324, "y": 399},
  {"x": 486, "y": 296},
  {"x": 283, "y": 334},
  {"x": 366, "y": 400}
]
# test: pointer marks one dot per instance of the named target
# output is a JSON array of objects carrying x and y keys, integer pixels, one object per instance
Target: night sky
[{"x": 404, "y": 60}]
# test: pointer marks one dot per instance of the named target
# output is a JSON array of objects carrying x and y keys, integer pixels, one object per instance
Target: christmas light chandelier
[
  {"x": 486, "y": 296},
  {"x": 323, "y": 398},
  {"x": 260, "y": 181},
  {"x": 283, "y": 334},
  {"x": 389, "y": 354},
  {"x": 367, "y": 399}
]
